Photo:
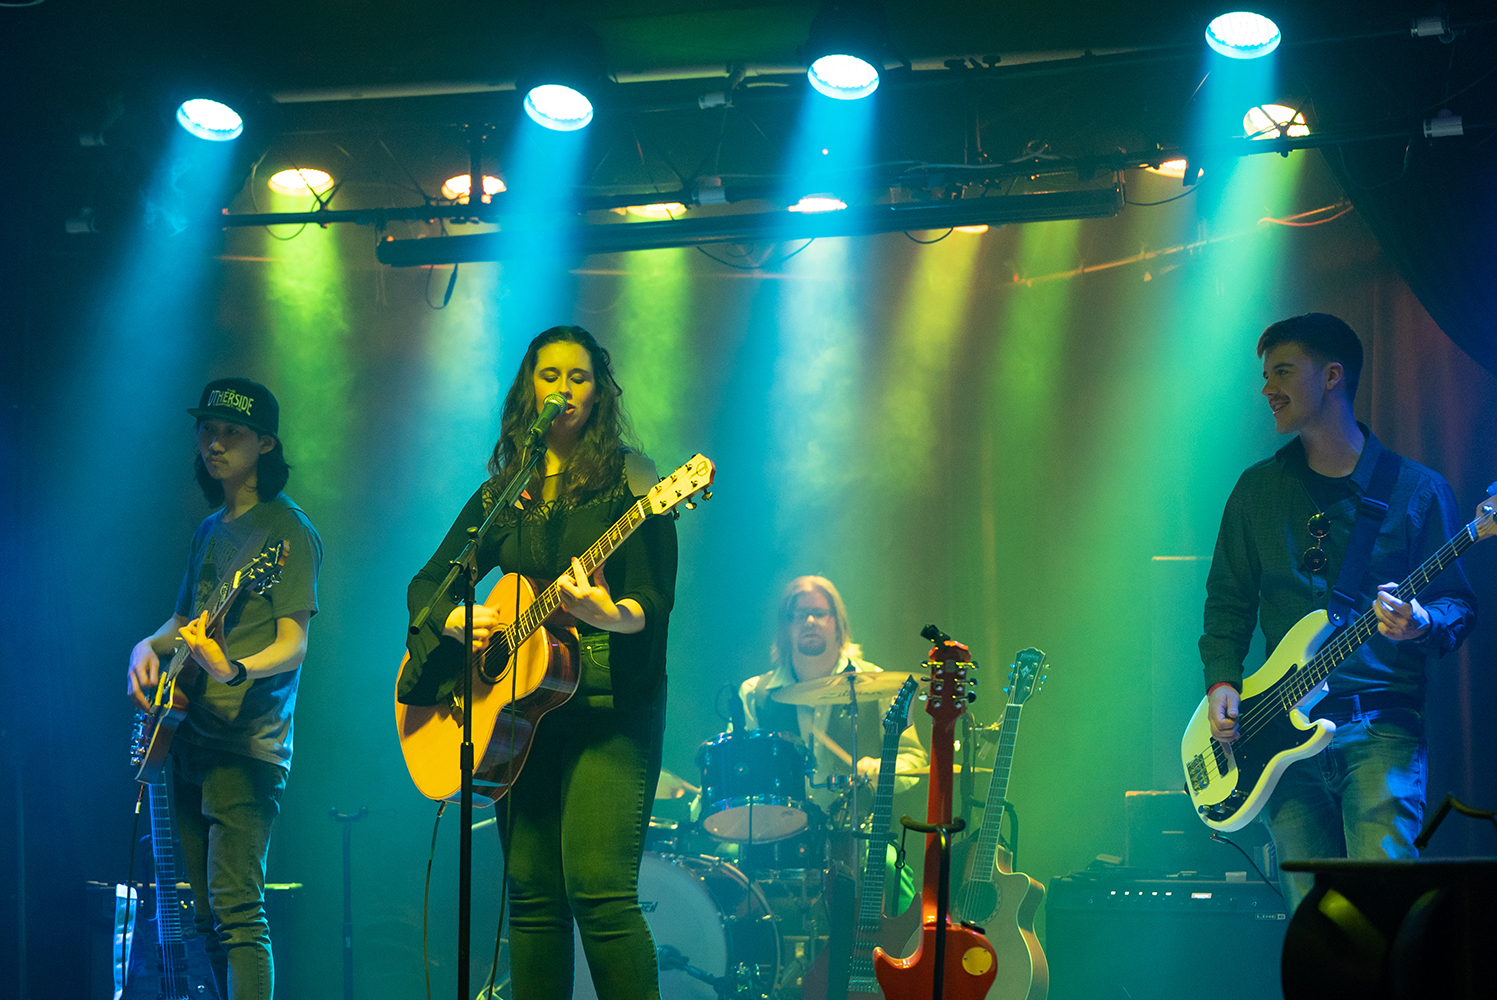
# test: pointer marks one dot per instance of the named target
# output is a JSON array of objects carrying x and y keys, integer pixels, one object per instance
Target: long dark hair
[
  {"x": 271, "y": 473},
  {"x": 597, "y": 462}
]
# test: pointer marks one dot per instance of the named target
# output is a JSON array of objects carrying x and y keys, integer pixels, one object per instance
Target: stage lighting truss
[
  {"x": 209, "y": 119},
  {"x": 845, "y": 49},
  {"x": 1242, "y": 35},
  {"x": 301, "y": 181},
  {"x": 1274, "y": 121}
]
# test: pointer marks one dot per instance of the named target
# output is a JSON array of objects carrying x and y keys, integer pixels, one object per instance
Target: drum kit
[{"x": 735, "y": 894}]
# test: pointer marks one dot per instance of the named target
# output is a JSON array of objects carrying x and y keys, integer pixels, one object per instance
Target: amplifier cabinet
[{"x": 1112, "y": 936}]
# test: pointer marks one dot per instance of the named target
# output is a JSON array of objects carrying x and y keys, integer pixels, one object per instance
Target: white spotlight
[
  {"x": 210, "y": 120},
  {"x": 1242, "y": 35}
]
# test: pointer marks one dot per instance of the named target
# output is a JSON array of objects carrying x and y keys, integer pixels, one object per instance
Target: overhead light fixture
[
  {"x": 813, "y": 203},
  {"x": 301, "y": 181},
  {"x": 1242, "y": 35},
  {"x": 1173, "y": 168},
  {"x": 209, "y": 119},
  {"x": 457, "y": 188},
  {"x": 562, "y": 76},
  {"x": 846, "y": 47},
  {"x": 1274, "y": 121},
  {"x": 671, "y": 210}
]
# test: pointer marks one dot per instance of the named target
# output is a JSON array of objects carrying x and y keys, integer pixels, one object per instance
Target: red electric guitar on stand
[{"x": 952, "y": 961}]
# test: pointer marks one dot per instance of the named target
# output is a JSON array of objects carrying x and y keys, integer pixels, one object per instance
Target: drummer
[{"x": 813, "y": 640}]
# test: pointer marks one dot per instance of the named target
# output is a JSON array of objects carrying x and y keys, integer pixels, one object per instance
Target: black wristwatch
[{"x": 239, "y": 676}]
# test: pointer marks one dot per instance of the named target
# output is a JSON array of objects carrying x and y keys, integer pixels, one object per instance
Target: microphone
[{"x": 551, "y": 407}]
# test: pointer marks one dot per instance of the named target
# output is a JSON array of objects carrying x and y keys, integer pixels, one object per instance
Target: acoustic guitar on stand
[
  {"x": 1229, "y": 783},
  {"x": 953, "y": 960},
  {"x": 992, "y": 894},
  {"x": 527, "y": 669}
]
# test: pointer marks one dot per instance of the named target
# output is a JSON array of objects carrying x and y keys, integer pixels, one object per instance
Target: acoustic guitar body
[{"x": 539, "y": 677}]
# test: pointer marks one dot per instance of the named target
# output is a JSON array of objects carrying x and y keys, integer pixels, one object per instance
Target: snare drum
[
  {"x": 753, "y": 787},
  {"x": 713, "y": 918}
]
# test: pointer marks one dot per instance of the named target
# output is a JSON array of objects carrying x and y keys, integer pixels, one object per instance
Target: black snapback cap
[{"x": 240, "y": 401}]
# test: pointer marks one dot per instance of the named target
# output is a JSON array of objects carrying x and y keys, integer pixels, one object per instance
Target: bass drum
[{"x": 705, "y": 914}]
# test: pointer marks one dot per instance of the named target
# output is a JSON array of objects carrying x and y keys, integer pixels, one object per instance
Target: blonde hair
[{"x": 810, "y": 585}]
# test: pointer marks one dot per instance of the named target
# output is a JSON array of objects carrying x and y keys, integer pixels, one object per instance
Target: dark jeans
[
  {"x": 580, "y": 811},
  {"x": 225, "y": 805},
  {"x": 1361, "y": 798}
]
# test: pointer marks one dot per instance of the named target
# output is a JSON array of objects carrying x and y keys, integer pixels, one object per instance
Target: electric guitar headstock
[
  {"x": 1026, "y": 675},
  {"x": 949, "y": 663},
  {"x": 682, "y": 486},
  {"x": 1485, "y": 525},
  {"x": 897, "y": 717}
]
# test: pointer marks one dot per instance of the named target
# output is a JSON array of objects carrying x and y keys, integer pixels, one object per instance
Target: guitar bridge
[{"x": 1196, "y": 771}]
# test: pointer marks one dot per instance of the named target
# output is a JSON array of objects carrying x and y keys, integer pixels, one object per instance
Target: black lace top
[{"x": 539, "y": 542}]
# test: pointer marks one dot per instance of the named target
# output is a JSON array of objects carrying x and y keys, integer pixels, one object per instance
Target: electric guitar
[
  {"x": 154, "y": 729},
  {"x": 534, "y": 657},
  {"x": 956, "y": 955},
  {"x": 1003, "y": 901},
  {"x": 1229, "y": 783}
]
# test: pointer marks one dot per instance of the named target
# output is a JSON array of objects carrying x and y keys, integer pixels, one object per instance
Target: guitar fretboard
[
  {"x": 168, "y": 905},
  {"x": 550, "y": 599},
  {"x": 1311, "y": 675},
  {"x": 992, "y": 816},
  {"x": 860, "y": 977}
]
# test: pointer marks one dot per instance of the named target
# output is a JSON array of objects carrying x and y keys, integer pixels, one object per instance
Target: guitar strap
[{"x": 1371, "y": 512}]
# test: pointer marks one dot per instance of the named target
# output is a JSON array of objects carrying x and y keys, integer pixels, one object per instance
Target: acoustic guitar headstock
[{"x": 1485, "y": 525}]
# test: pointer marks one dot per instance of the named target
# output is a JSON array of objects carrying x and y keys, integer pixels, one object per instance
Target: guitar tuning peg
[
  {"x": 1006, "y": 690},
  {"x": 706, "y": 494},
  {"x": 691, "y": 505}
]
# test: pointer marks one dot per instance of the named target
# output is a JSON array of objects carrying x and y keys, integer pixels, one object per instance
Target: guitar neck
[
  {"x": 992, "y": 816},
  {"x": 870, "y": 908},
  {"x": 1331, "y": 655},
  {"x": 550, "y": 599},
  {"x": 168, "y": 905}
]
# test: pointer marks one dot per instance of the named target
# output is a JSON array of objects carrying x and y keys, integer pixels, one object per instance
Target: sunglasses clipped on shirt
[{"x": 1315, "y": 558}]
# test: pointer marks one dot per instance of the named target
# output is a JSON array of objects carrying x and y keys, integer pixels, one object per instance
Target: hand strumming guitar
[
  {"x": 486, "y": 622},
  {"x": 1224, "y": 704}
]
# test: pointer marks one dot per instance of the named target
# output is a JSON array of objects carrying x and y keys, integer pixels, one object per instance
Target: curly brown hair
[{"x": 597, "y": 462}]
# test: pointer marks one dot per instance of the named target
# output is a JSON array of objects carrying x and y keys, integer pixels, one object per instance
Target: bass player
[
  {"x": 232, "y": 752},
  {"x": 1283, "y": 537},
  {"x": 574, "y": 822}
]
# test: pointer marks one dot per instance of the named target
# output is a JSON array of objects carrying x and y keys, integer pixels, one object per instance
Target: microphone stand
[{"x": 466, "y": 567}]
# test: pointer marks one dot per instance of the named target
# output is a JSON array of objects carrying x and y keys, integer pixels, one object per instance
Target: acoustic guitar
[
  {"x": 993, "y": 895},
  {"x": 528, "y": 668},
  {"x": 1230, "y": 783}
]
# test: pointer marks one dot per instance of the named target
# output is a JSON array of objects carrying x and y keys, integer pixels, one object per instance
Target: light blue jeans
[{"x": 1362, "y": 797}]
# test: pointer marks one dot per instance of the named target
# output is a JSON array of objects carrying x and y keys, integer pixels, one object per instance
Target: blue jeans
[
  {"x": 225, "y": 805},
  {"x": 1362, "y": 797}
]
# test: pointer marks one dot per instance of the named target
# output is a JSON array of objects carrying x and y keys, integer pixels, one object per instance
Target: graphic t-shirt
[{"x": 253, "y": 718}]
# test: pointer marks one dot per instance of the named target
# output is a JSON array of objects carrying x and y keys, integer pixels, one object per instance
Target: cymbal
[
  {"x": 673, "y": 786},
  {"x": 925, "y": 772},
  {"x": 833, "y": 689}
]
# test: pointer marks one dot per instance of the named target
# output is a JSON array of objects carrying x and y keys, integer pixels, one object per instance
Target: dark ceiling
[{"x": 87, "y": 63}]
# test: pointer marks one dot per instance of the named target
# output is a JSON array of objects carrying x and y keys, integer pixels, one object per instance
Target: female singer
[{"x": 575, "y": 822}]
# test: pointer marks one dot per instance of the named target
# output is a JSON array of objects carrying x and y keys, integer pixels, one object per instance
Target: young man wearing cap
[
  {"x": 232, "y": 752},
  {"x": 1284, "y": 535}
]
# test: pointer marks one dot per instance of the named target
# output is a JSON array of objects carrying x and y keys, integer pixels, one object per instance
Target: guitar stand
[
  {"x": 943, "y": 832},
  {"x": 347, "y": 820}
]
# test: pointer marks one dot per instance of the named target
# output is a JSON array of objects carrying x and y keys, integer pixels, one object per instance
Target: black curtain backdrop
[{"x": 1431, "y": 202}]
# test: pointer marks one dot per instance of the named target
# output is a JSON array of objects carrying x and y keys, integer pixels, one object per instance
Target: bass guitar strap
[{"x": 1371, "y": 512}]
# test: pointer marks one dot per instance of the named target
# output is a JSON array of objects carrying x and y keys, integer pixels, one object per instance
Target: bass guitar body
[{"x": 537, "y": 677}]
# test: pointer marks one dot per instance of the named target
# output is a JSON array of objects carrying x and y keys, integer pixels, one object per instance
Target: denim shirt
[{"x": 1258, "y": 576}]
